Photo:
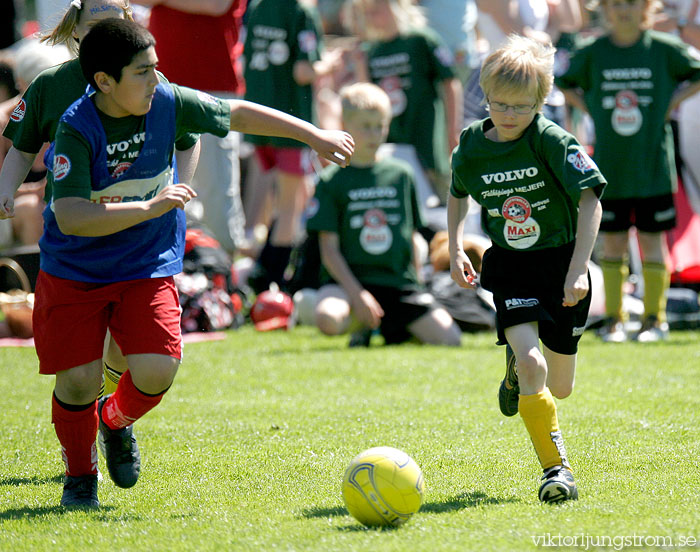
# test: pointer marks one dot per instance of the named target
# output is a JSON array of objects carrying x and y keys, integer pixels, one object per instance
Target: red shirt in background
[{"x": 200, "y": 51}]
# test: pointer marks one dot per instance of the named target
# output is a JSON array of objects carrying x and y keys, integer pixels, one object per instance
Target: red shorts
[
  {"x": 71, "y": 320},
  {"x": 289, "y": 160}
]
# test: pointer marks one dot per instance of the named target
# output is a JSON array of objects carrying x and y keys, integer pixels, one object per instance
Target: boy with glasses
[{"x": 539, "y": 196}]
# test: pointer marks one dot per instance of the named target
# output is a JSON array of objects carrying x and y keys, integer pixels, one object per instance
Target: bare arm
[
  {"x": 589, "y": 215},
  {"x": 682, "y": 94},
  {"x": 187, "y": 162},
  {"x": 452, "y": 94},
  {"x": 202, "y": 7},
  {"x": 457, "y": 209},
  {"x": 80, "y": 217},
  {"x": 252, "y": 118},
  {"x": 14, "y": 171},
  {"x": 364, "y": 305},
  {"x": 574, "y": 98},
  {"x": 415, "y": 257}
]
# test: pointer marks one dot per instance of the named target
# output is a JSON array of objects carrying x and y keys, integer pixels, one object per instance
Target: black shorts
[
  {"x": 647, "y": 214},
  {"x": 402, "y": 306},
  {"x": 528, "y": 286}
]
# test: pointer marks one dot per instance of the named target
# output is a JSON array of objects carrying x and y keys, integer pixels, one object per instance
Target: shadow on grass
[
  {"x": 101, "y": 513},
  {"x": 34, "y": 480},
  {"x": 458, "y": 502}
]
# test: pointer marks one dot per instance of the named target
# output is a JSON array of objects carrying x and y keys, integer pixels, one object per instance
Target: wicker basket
[{"x": 17, "y": 304}]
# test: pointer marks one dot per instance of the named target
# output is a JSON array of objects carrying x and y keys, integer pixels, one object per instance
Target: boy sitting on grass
[
  {"x": 367, "y": 216},
  {"x": 114, "y": 235}
]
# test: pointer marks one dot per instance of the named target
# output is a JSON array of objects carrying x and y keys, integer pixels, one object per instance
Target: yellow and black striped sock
[
  {"x": 110, "y": 381},
  {"x": 539, "y": 413},
  {"x": 656, "y": 281},
  {"x": 615, "y": 273}
]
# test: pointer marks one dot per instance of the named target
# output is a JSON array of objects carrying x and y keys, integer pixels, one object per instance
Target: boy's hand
[
  {"x": 171, "y": 197},
  {"x": 7, "y": 206},
  {"x": 575, "y": 288},
  {"x": 367, "y": 310},
  {"x": 334, "y": 145},
  {"x": 462, "y": 271}
]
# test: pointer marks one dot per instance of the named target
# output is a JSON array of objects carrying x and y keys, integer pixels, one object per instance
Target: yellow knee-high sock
[
  {"x": 110, "y": 381},
  {"x": 656, "y": 281},
  {"x": 539, "y": 412},
  {"x": 615, "y": 273}
]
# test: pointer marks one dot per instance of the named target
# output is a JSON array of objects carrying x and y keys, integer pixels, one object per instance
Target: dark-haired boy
[{"x": 114, "y": 237}]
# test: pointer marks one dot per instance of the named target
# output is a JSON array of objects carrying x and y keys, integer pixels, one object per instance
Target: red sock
[
  {"x": 76, "y": 432},
  {"x": 127, "y": 404}
]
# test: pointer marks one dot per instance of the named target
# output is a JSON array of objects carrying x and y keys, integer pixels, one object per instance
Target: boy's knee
[
  {"x": 561, "y": 391},
  {"x": 330, "y": 324}
]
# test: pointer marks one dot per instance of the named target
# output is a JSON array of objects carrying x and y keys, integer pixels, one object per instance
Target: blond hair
[
  {"x": 364, "y": 96},
  {"x": 406, "y": 14},
  {"x": 650, "y": 8},
  {"x": 63, "y": 32},
  {"x": 521, "y": 65}
]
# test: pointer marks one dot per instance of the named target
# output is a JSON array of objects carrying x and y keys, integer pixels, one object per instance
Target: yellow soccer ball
[{"x": 383, "y": 486}]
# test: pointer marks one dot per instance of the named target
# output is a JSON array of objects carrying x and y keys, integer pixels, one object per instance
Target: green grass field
[{"x": 248, "y": 449}]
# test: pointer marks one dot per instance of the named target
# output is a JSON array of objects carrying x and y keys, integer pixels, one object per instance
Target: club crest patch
[
  {"x": 581, "y": 161},
  {"x": 19, "y": 111},
  {"x": 61, "y": 167}
]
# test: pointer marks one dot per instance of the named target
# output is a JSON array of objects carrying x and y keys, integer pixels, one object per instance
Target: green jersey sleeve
[
  {"x": 76, "y": 152},
  {"x": 326, "y": 215},
  {"x": 198, "y": 112}
]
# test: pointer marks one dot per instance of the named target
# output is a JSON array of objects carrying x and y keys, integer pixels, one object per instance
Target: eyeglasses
[{"x": 520, "y": 109}]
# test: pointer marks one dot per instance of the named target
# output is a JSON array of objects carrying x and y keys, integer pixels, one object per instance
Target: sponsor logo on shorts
[
  {"x": 206, "y": 98},
  {"x": 61, "y": 166},
  {"x": 578, "y": 331},
  {"x": 517, "y": 303},
  {"x": 19, "y": 111}
]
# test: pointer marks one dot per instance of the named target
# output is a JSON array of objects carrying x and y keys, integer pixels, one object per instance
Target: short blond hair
[
  {"x": 520, "y": 65},
  {"x": 364, "y": 96}
]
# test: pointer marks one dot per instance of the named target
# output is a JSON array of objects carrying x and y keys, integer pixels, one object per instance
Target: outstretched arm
[{"x": 251, "y": 118}]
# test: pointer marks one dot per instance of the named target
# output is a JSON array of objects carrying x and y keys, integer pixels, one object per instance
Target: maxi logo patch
[
  {"x": 61, "y": 167},
  {"x": 19, "y": 111}
]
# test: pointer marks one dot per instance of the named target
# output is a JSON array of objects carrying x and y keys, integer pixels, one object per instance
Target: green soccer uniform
[
  {"x": 529, "y": 188},
  {"x": 195, "y": 112},
  {"x": 409, "y": 68},
  {"x": 374, "y": 211},
  {"x": 280, "y": 33},
  {"x": 35, "y": 119},
  {"x": 627, "y": 92}
]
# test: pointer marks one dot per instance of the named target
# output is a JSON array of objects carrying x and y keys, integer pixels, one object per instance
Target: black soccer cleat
[
  {"x": 558, "y": 485},
  {"x": 508, "y": 398},
  {"x": 120, "y": 450},
  {"x": 80, "y": 492}
]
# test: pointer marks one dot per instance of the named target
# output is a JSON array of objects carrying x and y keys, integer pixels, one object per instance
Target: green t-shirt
[
  {"x": 280, "y": 33},
  {"x": 409, "y": 68},
  {"x": 35, "y": 119},
  {"x": 529, "y": 188},
  {"x": 374, "y": 211},
  {"x": 195, "y": 112},
  {"x": 627, "y": 92}
]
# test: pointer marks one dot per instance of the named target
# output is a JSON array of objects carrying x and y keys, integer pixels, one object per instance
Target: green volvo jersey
[
  {"x": 35, "y": 118},
  {"x": 280, "y": 33},
  {"x": 529, "y": 188},
  {"x": 409, "y": 68},
  {"x": 374, "y": 211},
  {"x": 195, "y": 112},
  {"x": 627, "y": 92}
]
